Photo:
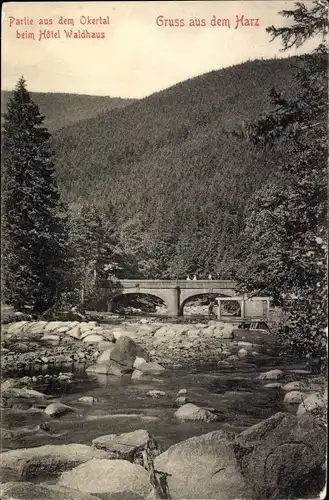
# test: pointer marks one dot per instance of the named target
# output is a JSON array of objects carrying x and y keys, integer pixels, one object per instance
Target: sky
[{"x": 136, "y": 56}]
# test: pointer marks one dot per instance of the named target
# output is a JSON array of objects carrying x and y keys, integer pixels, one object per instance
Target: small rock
[
  {"x": 105, "y": 369},
  {"x": 293, "y": 386},
  {"x": 136, "y": 375},
  {"x": 93, "y": 338},
  {"x": 9, "y": 384},
  {"x": 242, "y": 353},
  {"x": 313, "y": 403},
  {"x": 294, "y": 397},
  {"x": 272, "y": 374},
  {"x": 190, "y": 411},
  {"x": 44, "y": 359},
  {"x": 156, "y": 394},
  {"x": 57, "y": 409},
  {"x": 273, "y": 385},
  {"x": 51, "y": 338},
  {"x": 64, "y": 377},
  {"x": 74, "y": 332},
  {"x": 301, "y": 372},
  {"x": 138, "y": 361},
  {"x": 25, "y": 380},
  {"x": 181, "y": 392},
  {"x": 151, "y": 368},
  {"x": 104, "y": 345},
  {"x": 90, "y": 400},
  {"x": 181, "y": 400}
]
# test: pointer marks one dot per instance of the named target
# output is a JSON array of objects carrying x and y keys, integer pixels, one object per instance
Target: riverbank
[
  {"x": 69, "y": 385},
  {"x": 28, "y": 344}
]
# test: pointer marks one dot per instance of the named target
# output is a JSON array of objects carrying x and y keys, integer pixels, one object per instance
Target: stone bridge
[{"x": 174, "y": 293}]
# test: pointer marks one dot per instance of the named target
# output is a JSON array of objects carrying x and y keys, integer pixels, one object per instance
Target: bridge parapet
[{"x": 156, "y": 284}]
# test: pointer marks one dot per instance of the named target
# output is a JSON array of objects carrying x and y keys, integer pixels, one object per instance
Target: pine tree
[
  {"x": 284, "y": 251},
  {"x": 98, "y": 255},
  {"x": 33, "y": 225}
]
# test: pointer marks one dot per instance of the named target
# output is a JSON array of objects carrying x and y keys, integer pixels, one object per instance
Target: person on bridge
[
  {"x": 194, "y": 278},
  {"x": 211, "y": 308},
  {"x": 188, "y": 278},
  {"x": 210, "y": 277}
]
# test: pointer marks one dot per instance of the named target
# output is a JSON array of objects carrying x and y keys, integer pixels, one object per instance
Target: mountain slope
[
  {"x": 168, "y": 161},
  {"x": 65, "y": 109}
]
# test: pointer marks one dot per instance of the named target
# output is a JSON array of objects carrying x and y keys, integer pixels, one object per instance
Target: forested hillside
[
  {"x": 65, "y": 109},
  {"x": 170, "y": 166}
]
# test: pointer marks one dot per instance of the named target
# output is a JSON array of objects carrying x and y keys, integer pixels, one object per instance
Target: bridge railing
[{"x": 191, "y": 284}]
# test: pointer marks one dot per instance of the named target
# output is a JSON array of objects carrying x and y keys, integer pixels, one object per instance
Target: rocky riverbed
[
  {"x": 127, "y": 410},
  {"x": 27, "y": 343}
]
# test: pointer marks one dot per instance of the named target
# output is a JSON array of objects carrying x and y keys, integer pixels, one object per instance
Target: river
[{"x": 122, "y": 404}]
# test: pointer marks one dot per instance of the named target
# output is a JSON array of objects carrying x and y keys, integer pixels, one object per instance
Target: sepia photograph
[{"x": 164, "y": 250}]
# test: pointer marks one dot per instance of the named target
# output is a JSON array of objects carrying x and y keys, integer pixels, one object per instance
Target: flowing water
[{"x": 122, "y": 404}]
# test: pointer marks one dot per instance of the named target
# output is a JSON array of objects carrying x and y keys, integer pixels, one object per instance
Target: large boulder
[
  {"x": 125, "y": 352},
  {"x": 108, "y": 476},
  {"x": 31, "y": 491},
  {"x": 129, "y": 446},
  {"x": 45, "y": 460},
  {"x": 193, "y": 412},
  {"x": 203, "y": 467},
  {"x": 282, "y": 457}
]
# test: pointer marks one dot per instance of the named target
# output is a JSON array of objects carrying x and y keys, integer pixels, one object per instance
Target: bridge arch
[
  {"x": 190, "y": 296},
  {"x": 139, "y": 294}
]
